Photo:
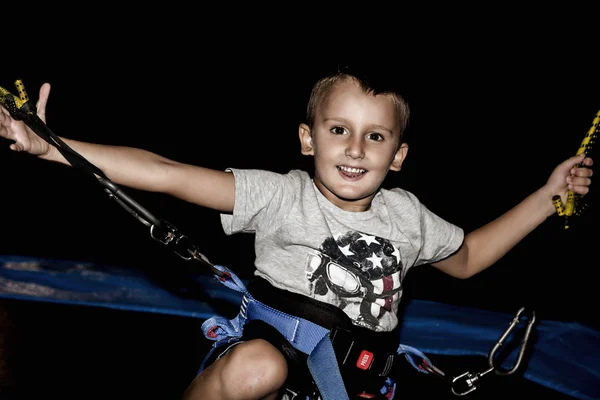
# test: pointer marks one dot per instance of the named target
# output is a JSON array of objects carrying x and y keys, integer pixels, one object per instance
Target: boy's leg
[{"x": 254, "y": 369}]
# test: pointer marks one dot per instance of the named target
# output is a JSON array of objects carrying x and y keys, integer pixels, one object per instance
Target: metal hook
[{"x": 507, "y": 332}]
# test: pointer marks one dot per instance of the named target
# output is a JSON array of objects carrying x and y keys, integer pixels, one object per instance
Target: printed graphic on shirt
[{"x": 359, "y": 273}]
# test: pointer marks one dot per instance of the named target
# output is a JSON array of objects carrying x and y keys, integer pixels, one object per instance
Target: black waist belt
[{"x": 358, "y": 350}]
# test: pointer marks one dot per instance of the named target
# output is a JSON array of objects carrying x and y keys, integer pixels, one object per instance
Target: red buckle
[{"x": 364, "y": 360}]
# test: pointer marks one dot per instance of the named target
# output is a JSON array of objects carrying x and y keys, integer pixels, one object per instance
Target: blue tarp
[{"x": 564, "y": 356}]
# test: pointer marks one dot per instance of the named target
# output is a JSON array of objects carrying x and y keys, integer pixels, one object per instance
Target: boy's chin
[{"x": 352, "y": 198}]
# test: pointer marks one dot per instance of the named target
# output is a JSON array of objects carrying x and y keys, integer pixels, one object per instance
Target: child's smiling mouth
[{"x": 351, "y": 172}]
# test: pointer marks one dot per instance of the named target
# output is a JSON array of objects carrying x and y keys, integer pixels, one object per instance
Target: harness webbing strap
[
  {"x": 304, "y": 335},
  {"x": 325, "y": 371}
]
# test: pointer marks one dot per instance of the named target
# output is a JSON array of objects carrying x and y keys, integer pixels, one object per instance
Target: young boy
[{"x": 332, "y": 248}]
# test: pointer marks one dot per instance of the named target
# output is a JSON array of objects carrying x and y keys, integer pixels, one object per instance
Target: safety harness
[{"x": 312, "y": 339}]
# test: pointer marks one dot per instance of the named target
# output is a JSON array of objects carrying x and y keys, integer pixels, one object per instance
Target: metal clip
[
  {"x": 500, "y": 342},
  {"x": 164, "y": 233},
  {"x": 469, "y": 380}
]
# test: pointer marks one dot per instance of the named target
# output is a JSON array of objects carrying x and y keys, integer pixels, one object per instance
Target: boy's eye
[
  {"x": 375, "y": 136},
  {"x": 338, "y": 130}
]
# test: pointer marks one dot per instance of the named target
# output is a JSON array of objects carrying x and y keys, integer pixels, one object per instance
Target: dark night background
[{"x": 489, "y": 123}]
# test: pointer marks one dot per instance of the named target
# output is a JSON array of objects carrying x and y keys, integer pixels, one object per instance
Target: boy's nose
[{"x": 355, "y": 149}]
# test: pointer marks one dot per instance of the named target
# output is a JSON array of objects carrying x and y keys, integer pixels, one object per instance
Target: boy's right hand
[{"x": 24, "y": 138}]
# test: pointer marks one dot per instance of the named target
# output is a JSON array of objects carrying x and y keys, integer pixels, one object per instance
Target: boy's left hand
[{"x": 567, "y": 176}]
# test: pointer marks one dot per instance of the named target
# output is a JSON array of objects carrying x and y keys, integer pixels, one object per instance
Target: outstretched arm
[
  {"x": 487, "y": 244},
  {"x": 127, "y": 166}
]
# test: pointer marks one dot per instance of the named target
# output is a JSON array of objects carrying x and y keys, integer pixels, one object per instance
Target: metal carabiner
[{"x": 507, "y": 332}]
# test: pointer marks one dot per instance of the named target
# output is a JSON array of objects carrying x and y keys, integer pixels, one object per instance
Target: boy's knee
[
  {"x": 257, "y": 363},
  {"x": 252, "y": 369}
]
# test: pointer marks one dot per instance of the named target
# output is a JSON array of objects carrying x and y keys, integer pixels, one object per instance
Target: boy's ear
[
  {"x": 306, "y": 144},
  {"x": 399, "y": 157}
]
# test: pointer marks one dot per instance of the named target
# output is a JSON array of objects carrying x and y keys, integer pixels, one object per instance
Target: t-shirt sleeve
[
  {"x": 440, "y": 238},
  {"x": 262, "y": 198}
]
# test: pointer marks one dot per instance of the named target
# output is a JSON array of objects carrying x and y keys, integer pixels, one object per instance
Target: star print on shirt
[
  {"x": 376, "y": 261},
  {"x": 346, "y": 250},
  {"x": 368, "y": 239}
]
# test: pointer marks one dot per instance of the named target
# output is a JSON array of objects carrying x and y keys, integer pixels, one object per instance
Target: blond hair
[{"x": 323, "y": 87}]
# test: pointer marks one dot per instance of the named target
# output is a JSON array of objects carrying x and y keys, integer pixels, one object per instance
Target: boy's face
[{"x": 354, "y": 142}]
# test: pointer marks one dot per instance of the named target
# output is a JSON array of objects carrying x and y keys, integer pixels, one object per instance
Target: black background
[{"x": 489, "y": 123}]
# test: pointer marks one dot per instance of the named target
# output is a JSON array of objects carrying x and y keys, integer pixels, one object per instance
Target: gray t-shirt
[{"x": 354, "y": 260}]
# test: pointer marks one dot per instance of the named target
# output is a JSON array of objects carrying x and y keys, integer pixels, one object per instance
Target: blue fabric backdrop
[{"x": 564, "y": 355}]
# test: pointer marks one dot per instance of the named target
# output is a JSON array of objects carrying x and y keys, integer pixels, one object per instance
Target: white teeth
[{"x": 352, "y": 170}]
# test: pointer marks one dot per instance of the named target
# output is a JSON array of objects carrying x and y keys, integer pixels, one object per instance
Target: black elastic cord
[{"x": 43, "y": 131}]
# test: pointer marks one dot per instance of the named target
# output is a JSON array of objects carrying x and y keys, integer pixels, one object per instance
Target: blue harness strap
[
  {"x": 325, "y": 371},
  {"x": 304, "y": 335}
]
